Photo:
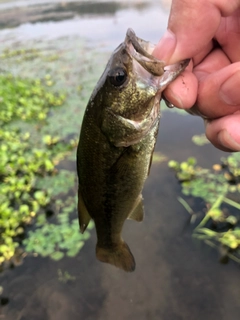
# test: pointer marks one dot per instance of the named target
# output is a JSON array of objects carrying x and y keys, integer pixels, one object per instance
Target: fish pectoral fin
[
  {"x": 137, "y": 213},
  {"x": 150, "y": 162},
  {"x": 83, "y": 215}
]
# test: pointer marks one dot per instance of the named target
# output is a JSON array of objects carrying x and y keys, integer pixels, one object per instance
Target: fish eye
[{"x": 117, "y": 76}]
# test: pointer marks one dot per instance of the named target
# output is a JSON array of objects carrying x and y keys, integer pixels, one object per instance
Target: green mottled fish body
[{"x": 116, "y": 144}]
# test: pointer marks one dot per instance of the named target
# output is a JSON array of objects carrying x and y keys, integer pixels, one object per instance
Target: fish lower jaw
[{"x": 171, "y": 72}]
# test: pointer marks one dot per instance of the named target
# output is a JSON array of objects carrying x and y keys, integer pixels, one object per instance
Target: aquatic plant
[
  {"x": 200, "y": 139},
  {"x": 23, "y": 159},
  {"x": 219, "y": 188},
  {"x": 25, "y": 99},
  {"x": 57, "y": 239},
  {"x": 158, "y": 157},
  {"x": 65, "y": 276},
  {"x": 43, "y": 95},
  {"x": 23, "y": 54}
]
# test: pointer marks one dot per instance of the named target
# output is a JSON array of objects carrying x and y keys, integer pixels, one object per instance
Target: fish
[{"x": 116, "y": 144}]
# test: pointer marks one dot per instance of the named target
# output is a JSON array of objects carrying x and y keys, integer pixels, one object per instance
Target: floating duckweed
[
  {"x": 26, "y": 54},
  {"x": 158, "y": 157},
  {"x": 37, "y": 158},
  {"x": 200, "y": 140},
  {"x": 57, "y": 240},
  {"x": 22, "y": 160},
  {"x": 25, "y": 99}
]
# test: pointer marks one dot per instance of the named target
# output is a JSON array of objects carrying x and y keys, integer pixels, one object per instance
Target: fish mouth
[
  {"x": 149, "y": 69},
  {"x": 171, "y": 72},
  {"x": 151, "y": 74}
]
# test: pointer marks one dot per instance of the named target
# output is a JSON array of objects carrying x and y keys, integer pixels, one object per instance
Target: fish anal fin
[
  {"x": 120, "y": 256},
  {"x": 137, "y": 213},
  {"x": 83, "y": 214}
]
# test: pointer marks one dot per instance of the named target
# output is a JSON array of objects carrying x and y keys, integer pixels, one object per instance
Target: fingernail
[
  {"x": 227, "y": 141},
  {"x": 229, "y": 92},
  {"x": 166, "y": 46},
  {"x": 175, "y": 100}
]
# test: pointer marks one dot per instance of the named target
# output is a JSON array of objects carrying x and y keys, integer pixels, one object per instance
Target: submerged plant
[
  {"x": 219, "y": 188},
  {"x": 65, "y": 276}
]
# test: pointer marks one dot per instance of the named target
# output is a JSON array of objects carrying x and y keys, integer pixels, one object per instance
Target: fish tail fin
[{"x": 119, "y": 256}]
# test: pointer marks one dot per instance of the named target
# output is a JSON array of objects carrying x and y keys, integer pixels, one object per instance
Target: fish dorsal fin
[
  {"x": 83, "y": 215},
  {"x": 137, "y": 213}
]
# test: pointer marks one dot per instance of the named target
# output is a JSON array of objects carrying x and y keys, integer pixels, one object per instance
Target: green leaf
[{"x": 57, "y": 255}]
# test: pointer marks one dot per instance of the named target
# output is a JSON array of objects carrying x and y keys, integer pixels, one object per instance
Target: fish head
[{"x": 129, "y": 91}]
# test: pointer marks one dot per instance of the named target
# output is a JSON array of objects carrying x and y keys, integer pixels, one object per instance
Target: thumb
[{"x": 191, "y": 27}]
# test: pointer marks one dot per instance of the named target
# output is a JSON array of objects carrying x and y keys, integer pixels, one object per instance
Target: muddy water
[{"x": 175, "y": 278}]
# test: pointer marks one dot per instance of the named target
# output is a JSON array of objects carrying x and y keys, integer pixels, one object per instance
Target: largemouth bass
[{"x": 117, "y": 140}]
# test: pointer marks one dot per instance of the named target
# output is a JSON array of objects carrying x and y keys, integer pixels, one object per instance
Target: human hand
[{"x": 208, "y": 31}]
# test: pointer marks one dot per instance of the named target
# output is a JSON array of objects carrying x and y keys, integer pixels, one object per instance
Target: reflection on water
[
  {"x": 175, "y": 278},
  {"x": 56, "y": 11},
  {"x": 100, "y": 30}
]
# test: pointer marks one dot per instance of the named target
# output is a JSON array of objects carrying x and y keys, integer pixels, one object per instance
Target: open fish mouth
[{"x": 153, "y": 71}]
